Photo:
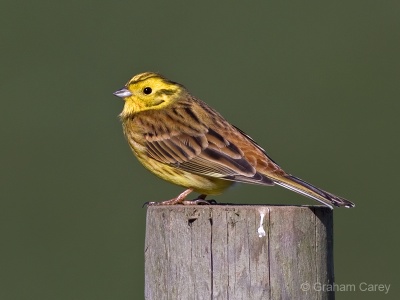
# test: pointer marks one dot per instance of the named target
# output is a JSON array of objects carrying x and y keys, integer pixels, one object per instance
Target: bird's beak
[{"x": 122, "y": 93}]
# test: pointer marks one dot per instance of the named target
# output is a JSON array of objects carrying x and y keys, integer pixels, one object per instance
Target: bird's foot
[
  {"x": 200, "y": 200},
  {"x": 178, "y": 200},
  {"x": 181, "y": 200}
]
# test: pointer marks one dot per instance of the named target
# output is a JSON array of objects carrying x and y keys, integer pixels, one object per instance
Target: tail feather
[{"x": 304, "y": 188}]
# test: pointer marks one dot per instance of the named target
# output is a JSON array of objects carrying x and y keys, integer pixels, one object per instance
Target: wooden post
[{"x": 220, "y": 252}]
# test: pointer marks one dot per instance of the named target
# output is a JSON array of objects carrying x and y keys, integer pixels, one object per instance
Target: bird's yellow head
[{"x": 148, "y": 91}]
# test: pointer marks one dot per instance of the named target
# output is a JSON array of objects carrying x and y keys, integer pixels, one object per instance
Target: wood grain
[{"x": 215, "y": 252}]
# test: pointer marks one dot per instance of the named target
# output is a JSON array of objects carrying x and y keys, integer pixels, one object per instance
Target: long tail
[{"x": 304, "y": 188}]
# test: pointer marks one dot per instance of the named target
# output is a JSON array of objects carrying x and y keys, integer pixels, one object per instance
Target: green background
[{"x": 316, "y": 83}]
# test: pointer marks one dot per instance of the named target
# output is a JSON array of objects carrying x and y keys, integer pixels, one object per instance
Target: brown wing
[{"x": 204, "y": 152}]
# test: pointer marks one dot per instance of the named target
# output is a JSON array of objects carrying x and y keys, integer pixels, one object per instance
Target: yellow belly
[{"x": 199, "y": 183}]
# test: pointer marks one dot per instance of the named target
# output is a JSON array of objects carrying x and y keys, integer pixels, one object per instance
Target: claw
[
  {"x": 200, "y": 200},
  {"x": 178, "y": 200}
]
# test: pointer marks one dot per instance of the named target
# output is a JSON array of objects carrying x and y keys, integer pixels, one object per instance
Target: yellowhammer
[{"x": 184, "y": 141}]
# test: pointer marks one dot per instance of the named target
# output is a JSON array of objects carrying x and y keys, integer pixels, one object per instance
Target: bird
[{"x": 182, "y": 140}]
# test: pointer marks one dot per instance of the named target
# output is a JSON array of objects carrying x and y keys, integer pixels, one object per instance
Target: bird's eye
[{"x": 147, "y": 90}]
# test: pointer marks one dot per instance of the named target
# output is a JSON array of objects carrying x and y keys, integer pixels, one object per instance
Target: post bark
[{"x": 220, "y": 252}]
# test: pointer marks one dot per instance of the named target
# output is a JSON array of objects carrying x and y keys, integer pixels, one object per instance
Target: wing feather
[
  {"x": 205, "y": 145},
  {"x": 208, "y": 154}
]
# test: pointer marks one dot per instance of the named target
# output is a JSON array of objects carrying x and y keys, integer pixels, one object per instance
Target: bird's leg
[
  {"x": 178, "y": 200},
  {"x": 200, "y": 200}
]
